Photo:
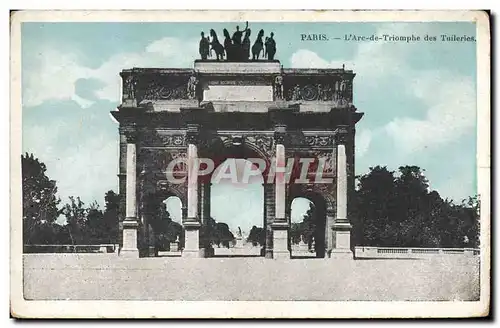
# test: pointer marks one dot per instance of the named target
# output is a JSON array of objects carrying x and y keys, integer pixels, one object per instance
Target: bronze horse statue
[
  {"x": 258, "y": 46},
  {"x": 216, "y": 46},
  {"x": 228, "y": 45},
  {"x": 245, "y": 54}
]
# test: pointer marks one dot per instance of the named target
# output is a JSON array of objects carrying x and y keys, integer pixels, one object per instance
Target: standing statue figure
[
  {"x": 246, "y": 45},
  {"x": 271, "y": 47},
  {"x": 296, "y": 92},
  {"x": 278, "y": 87},
  {"x": 130, "y": 87},
  {"x": 265, "y": 46},
  {"x": 216, "y": 46},
  {"x": 204, "y": 47},
  {"x": 257, "y": 46},
  {"x": 238, "y": 34},
  {"x": 191, "y": 87},
  {"x": 228, "y": 45},
  {"x": 336, "y": 91},
  {"x": 238, "y": 50},
  {"x": 343, "y": 92}
]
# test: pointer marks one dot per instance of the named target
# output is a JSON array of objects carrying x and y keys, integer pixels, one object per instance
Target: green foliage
[
  {"x": 399, "y": 211},
  {"x": 110, "y": 217},
  {"x": 388, "y": 209},
  {"x": 257, "y": 236},
  {"x": 39, "y": 202},
  {"x": 222, "y": 235},
  {"x": 166, "y": 230},
  {"x": 306, "y": 229}
]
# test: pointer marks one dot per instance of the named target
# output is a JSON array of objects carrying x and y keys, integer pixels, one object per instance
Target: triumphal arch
[{"x": 238, "y": 108}]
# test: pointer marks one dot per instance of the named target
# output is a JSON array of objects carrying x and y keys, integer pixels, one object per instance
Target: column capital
[
  {"x": 192, "y": 133},
  {"x": 130, "y": 132},
  {"x": 341, "y": 135},
  {"x": 280, "y": 133}
]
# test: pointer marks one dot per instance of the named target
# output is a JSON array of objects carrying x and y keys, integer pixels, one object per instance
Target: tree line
[
  {"x": 82, "y": 223},
  {"x": 388, "y": 208}
]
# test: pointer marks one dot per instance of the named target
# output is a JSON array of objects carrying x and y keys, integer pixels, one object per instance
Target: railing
[
  {"x": 411, "y": 252},
  {"x": 57, "y": 248}
]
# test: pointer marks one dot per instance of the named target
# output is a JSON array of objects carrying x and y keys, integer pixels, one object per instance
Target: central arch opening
[
  {"x": 237, "y": 202},
  {"x": 308, "y": 227}
]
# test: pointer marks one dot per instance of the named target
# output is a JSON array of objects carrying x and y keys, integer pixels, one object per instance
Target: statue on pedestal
[
  {"x": 278, "y": 87},
  {"x": 258, "y": 46},
  {"x": 204, "y": 47},
  {"x": 228, "y": 45},
  {"x": 191, "y": 87},
  {"x": 238, "y": 34},
  {"x": 216, "y": 46},
  {"x": 270, "y": 47},
  {"x": 246, "y": 45},
  {"x": 130, "y": 87},
  {"x": 235, "y": 48}
]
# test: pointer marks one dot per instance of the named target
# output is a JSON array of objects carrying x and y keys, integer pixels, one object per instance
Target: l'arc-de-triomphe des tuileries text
[{"x": 236, "y": 108}]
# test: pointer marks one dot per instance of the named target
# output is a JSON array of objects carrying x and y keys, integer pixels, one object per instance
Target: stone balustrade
[
  {"x": 403, "y": 252},
  {"x": 67, "y": 248}
]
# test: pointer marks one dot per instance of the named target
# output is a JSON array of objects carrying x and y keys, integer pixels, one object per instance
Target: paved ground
[{"x": 109, "y": 277}]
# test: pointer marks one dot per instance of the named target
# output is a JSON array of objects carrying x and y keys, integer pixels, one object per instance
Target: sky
[{"x": 419, "y": 100}]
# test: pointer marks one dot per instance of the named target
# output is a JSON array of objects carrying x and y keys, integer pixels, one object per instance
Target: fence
[
  {"x": 402, "y": 252},
  {"x": 40, "y": 248}
]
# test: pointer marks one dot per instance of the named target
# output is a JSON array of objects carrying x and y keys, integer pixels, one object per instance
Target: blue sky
[{"x": 419, "y": 99}]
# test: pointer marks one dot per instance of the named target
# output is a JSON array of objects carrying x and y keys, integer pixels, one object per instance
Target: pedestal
[
  {"x": 174, "y": 247},
  {"x": 192, "y": 240},
  {"x": 129, "y": 248},
  {"x": 280, "y": 240},
  {"x": 341, "y": 242}
]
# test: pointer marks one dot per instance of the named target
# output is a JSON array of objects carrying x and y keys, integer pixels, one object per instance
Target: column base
[
  {"x": 281, "y": 255},
  {"x": 341, "y": 254},
  {"x": 129, "y": 248},
  {"x": 193, "y": 254},
  {"x": 129, "y": 253},
  {"x": 208, "y": 251},
  {"x": 192, "y": 239},
  {"x": 280, "y": 240}
]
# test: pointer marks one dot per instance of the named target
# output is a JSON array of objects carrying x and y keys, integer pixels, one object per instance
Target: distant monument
[
  {"x": 239, "y": 239},
  {"x": 237, "y": 48}
]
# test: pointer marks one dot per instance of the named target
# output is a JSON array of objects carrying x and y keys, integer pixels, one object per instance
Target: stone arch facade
[{"x": 159, "y": 125}]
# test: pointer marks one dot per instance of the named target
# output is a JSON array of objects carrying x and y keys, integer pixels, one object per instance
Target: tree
[
  {"x": 110, "y": 217},
  {"x": 374, "y": 207},
  {"x": 166, "y": 230},
  {"x": 295, "y": 233},
  {"x": 257, "y": 236},
  {"x": 39, "y": 201},
  {"x": 94, "y": 231},
  {"x": 76, "y": 217},
  {"x": 223, "y": 235},
  {"x": 400, "y": 211},
  {"x": 308, "y": 226}
]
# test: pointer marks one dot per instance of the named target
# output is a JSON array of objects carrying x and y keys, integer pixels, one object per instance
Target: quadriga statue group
[{"x": 237, "y": 47}]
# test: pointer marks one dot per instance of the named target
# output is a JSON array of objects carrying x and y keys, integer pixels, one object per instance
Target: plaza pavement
[{"x": 110, "y": 277}]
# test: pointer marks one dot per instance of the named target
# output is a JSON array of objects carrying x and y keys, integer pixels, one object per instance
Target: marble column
[
  {"x": 341, "y": 228},
  {"x": 280, "y": 223},
  {"x": 130, "y": 224},
  {"x": 288, "y": 216},
  {"x": 330, "y": 220},
  {"x": 204, "y": 208},
  {"x": 192, "y": 224},
  {"x": 269, "y": 208}
]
